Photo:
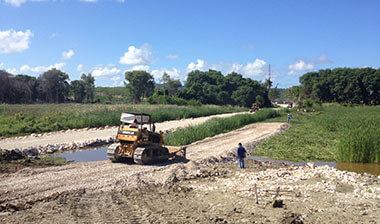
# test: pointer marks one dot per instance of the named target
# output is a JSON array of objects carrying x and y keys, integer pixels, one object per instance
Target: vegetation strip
[
  {"x": 215, "y": 126},
  {"x": 38, "y": 118},
  {"x": 334, "y": 134}
]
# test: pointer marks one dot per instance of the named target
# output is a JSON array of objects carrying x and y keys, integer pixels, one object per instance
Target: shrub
[{"x": 185, "y": 136}]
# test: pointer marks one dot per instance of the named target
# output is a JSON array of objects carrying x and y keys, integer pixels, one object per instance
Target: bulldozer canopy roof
[{"x": 131, "y": 117}]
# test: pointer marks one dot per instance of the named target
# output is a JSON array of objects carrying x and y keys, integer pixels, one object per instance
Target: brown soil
[
  {"x": 16, "y": 165},
  {"x": 208, "y": 188},
  {"x": 217, "y": 193}
]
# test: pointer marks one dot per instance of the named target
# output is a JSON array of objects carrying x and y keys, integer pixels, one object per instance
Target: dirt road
[
  {"x": 79, "y": 135},
  {"x": 207, "y": 188},
  {"x": 30, "y": 185}
]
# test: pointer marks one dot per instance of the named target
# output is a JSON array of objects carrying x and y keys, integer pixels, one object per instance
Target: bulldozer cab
[
  {"x": 135, "y": 120},
  {"x": 134, "y": 127}
]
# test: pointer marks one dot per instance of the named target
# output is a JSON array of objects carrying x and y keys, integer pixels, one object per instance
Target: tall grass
[
  {"x": 38, "y": 118},
  {"x": 359, "y": 140},
  {"x": 185, "y": 136},
  {"x": 335, "y": 134}
]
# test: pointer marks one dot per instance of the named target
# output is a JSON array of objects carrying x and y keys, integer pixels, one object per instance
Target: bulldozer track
[
  {"x": 111, "y": 152},
  {"x": 143, "y": 155},
  {"x": 138, "y": 156}
]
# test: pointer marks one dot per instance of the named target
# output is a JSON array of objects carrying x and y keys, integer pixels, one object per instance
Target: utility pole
[{"x": 269, "y": 83}]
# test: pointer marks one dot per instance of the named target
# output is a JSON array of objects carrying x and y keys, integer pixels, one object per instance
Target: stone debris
[{"x": 53, "y": 148}]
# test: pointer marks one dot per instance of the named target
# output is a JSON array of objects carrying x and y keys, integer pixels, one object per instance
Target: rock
[
  {"x": 13, "y": 155},
  {"x": 311, "y": 165},
  {"x": 278, "y": 204}
]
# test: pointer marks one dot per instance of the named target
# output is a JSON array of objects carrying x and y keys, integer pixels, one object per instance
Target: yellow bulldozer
[
  {"x": 135, "y": 141},
  {"x": 255, "y": 107}
]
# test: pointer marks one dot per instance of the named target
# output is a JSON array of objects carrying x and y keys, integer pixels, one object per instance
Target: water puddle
[
  {"x": 372, "y": 168},
  {"x": 86, "y": 155},
  {"x": 99, "y": 154}
]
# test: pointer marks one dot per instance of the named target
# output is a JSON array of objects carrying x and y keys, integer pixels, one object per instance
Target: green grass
[
  {"x": 185, "y": 136},
  {"x": 38, "y": 118},
  {"x": 334, "y": 134},
  {"x": 50, "y": 160}
]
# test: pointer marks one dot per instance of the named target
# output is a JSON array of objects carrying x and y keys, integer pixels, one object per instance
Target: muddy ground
[
  {"x": 217, "y": 193},
  {"x": 207, "y": 187}
]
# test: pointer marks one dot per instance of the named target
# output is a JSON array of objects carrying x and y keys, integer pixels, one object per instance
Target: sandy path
[
  {"x": 88, "y": 134},
  {"x": 30, "y": 185}
]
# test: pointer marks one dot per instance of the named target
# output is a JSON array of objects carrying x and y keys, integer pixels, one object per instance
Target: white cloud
[
  {"x": 172, "y": 56},
  {"x": 173, "y": 73},
  {"x": 301, "y": 66},
  {"x": 105, "y": 71},
  {"x": 235, "y": 68},
  {"x": 1, "y": 65},
  {"x": 40, "y": 69},
  {"x": 322, "y": 59},
  {"x": 68, "y": 54},
  {"x": 255, "y": 68},
  {"x": 140, "y": 68},
  {"x": 11, "y": 71},
  {"x": 15, "y": 3},
  {"x": 200, "y": 65},
  {"x": 80, "y": 68},
  {"x": 292, "y": 73},
  {"x": 53, "y": 35},
  {"x": 12, "y": 41},
  {"x": 116, "y": 81},
  {"x": 137, "y": 56}
]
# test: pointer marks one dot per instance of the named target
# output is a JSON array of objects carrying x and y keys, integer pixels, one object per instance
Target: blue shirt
[{"x": 241, "y": 151}]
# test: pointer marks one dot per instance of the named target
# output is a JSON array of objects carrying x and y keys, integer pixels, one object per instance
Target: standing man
[
  {"x": 241, "y": 152},
  {"x": 289, "y": 117}
]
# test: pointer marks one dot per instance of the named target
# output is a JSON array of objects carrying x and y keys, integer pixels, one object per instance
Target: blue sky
[{"x": 108, "y": 37}]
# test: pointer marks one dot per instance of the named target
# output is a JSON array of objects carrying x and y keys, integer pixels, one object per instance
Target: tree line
[
  {"x": 50, "y": 87},
  {"x": 342, "y": 85},
  {"x": 206, "y": 87},
  {"x": 201, "y": 87}
]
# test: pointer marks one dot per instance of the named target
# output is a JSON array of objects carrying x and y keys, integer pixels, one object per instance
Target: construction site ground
[{"x": 207, "y": 187}]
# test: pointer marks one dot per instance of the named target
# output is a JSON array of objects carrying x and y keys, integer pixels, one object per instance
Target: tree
[
  {"x": 78, "y": 90},
  {"x": 89, "y": 87},
  {"x": 165, "y": 79},
  {"x": 54, "y": 86},
  {"x": 5, "y": 86},
  {"x": 28, "y": 88},
  {"x": 268, "y": 83},
  {"x": 206, "y": 87},
  {"x": 293, "y": 92},
  {"x": 342, "y": 85},
  {"x": 173, "y": 86},
  {"x": 260, "y": 100},
  {"x": 169, "y": 84},
  {"x": 274, "y": 93},
  {"x": 212, "y": 87},
  {"x": 140, "y": 84}
]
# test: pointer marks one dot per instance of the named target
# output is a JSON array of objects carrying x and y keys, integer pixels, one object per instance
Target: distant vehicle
[{"x": 255, "y": 107}]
